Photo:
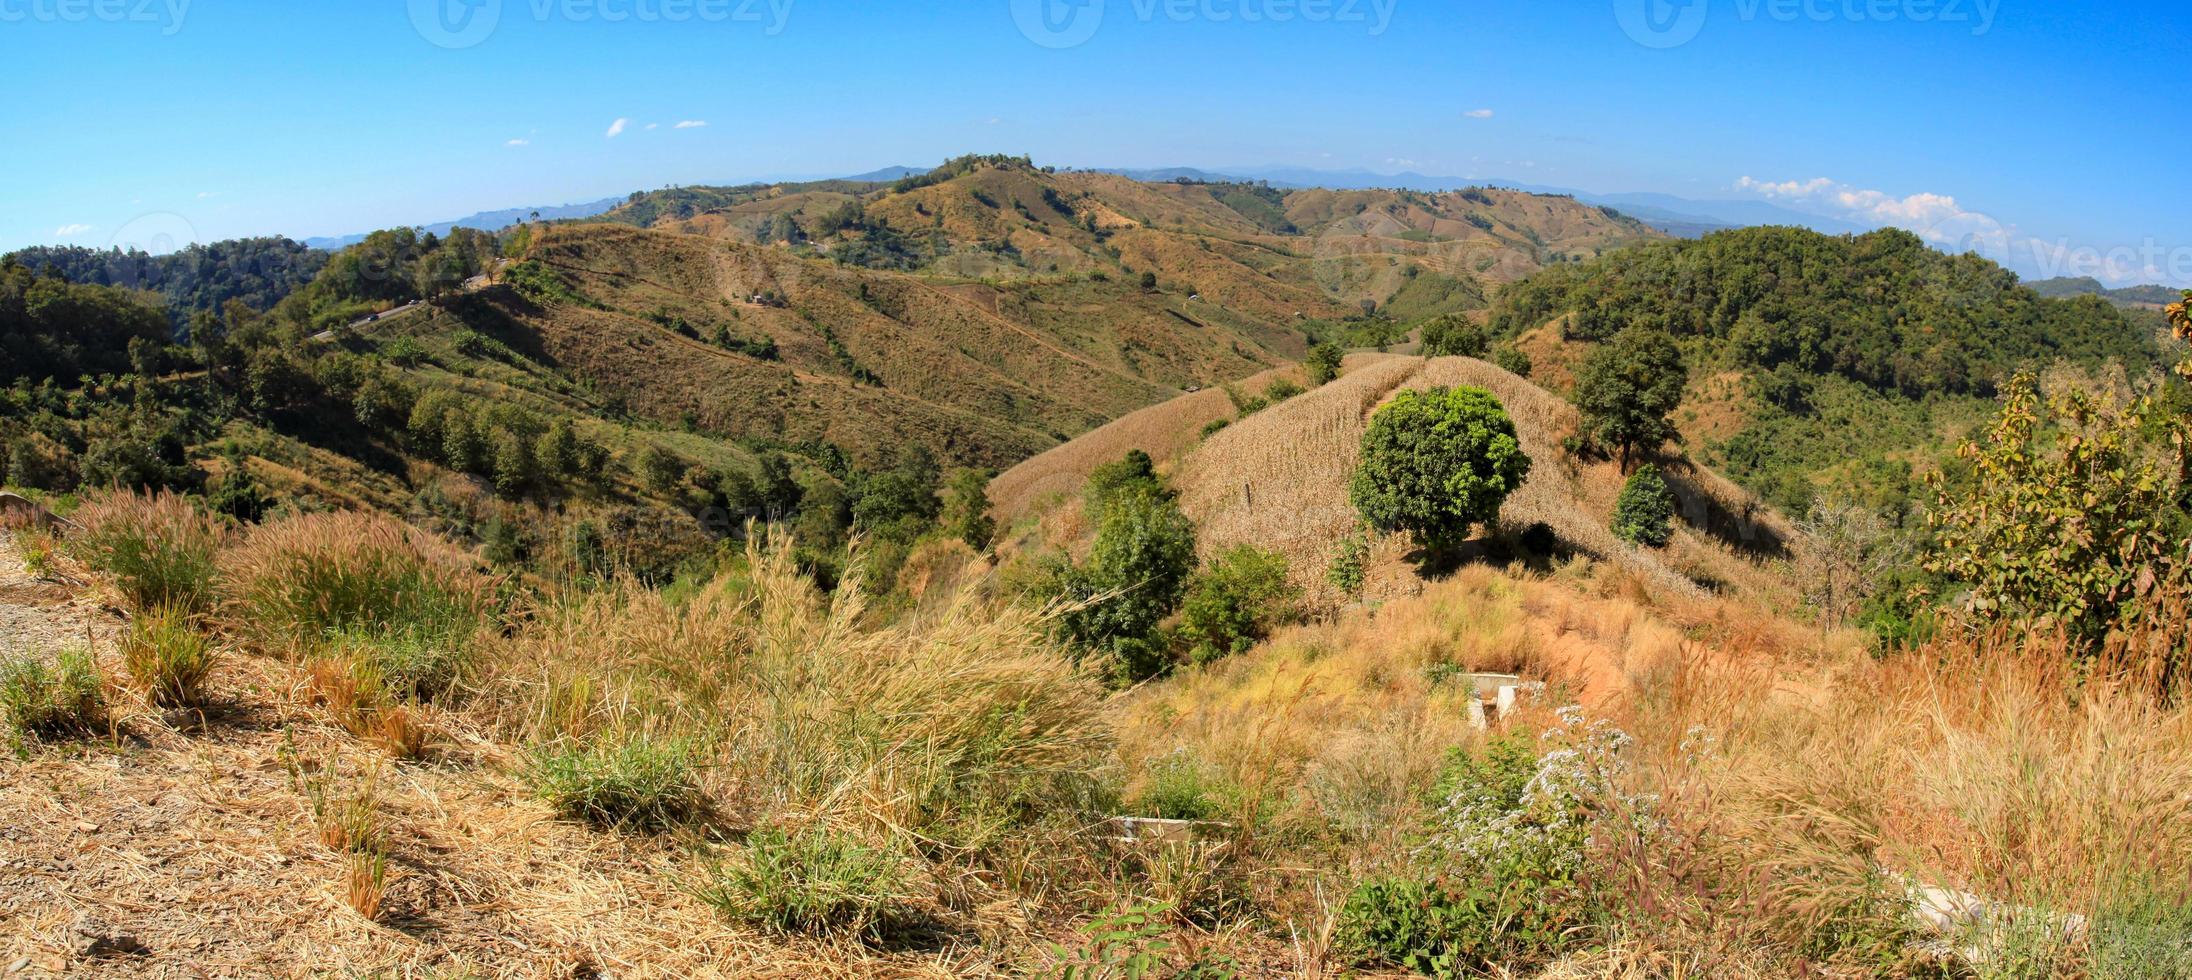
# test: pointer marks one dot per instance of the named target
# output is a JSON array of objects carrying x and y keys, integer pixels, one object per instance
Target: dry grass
[
  {"x": 157, "y": 550},
  {"x": 292, "y": 585}
]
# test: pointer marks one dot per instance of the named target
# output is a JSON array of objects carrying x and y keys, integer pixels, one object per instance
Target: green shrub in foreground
[
  {"x": 159, "y": 550},
  {"x": 67, "y": 697},
  {"x": 812, "y": 881}
]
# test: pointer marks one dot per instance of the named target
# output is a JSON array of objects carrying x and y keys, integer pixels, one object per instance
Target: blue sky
[{"x": 2018, "y": 126}]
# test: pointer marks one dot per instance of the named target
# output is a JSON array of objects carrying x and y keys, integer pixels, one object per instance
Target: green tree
[
  {"x": 1435, "y": 463},
  {"x": 2073, "y": 517},
  {"x": 1135, "y": 574},
  {"x": 1455, "y": 335},
  {"x": 1149, "y": 282},
  {"x": 1513, "y": 361},
  {"x": 1644, "y": 513},
  {"x": 1324, "y": 364},
  {"x": 558, "y": 451},
  {"x": 1626, "y": 390},
  {"x": 967, "y": 509},
  {"x": 1235, "y": 602},
  {"x": 513, "y": 465},
  {"x": 660, "y": 469}
]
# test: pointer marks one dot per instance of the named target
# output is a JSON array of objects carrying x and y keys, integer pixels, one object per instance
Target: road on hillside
[{"x": 470, "y": 285}]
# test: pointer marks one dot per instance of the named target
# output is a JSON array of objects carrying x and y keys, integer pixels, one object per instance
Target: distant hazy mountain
[
  {"x": 887, "y": 174},
  {"x": 1674, "y": 215},
  {"x": 2089, "y": 286},
  {"x": 488, "y": 220}
]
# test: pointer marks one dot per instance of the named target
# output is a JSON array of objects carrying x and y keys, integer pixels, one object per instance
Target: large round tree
[
  {"x": 1437, "y": 463},
  {"x": 1627, "y": 389}
]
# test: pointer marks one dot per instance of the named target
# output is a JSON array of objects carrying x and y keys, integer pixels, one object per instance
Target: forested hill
[
  {"x": 198, "y": 278},
  {"x": 1882, "y": 309}
]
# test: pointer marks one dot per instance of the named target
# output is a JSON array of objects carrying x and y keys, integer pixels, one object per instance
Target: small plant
[
  {"x": 1179, "y": 787},
  {"x": 365, "y": 880},
  {"x": 66, "y": 698},
  {"x": 298, "y": 581},
  {"x": 1281, "y": 390},
  {"x": 812, "y": 881},
  {"x": 1347, "y": 572},
  {"x": 38, "y": 549},
  {"x": 167, "y": 658},
  {"x": 1644, "y": 513},
  {"x": 638, "y": 782},
  {"x": 1125, "y": 945},
  {"x": 1235, "y": 602}
]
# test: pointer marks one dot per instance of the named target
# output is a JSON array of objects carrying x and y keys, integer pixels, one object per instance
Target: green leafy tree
[
  {"x": 1134, "y": 577},
  {"x": 558, "y": 451},
  {"x": 2073, "y": 517},
  {"x": 967, "y": 509},
  {"x": 1455, "y": 335},
  {"x": 660, "y": 469},
  {"x": 1324, "y": 364},
  {"x": 1627, "y": 389},
  {"x": 1235, "y": 602},
  {"x": 1644, "y": 513},
  {"x": 1436, "y": 463},
  {"x": 1513, "y": 361}
]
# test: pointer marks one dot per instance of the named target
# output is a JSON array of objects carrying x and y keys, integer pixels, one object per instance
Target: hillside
[
  {"x": 1823, "y": 363},
  {"x": 1311, "y": 254}
]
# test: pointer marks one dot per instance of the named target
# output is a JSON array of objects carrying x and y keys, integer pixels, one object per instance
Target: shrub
[
  {"x": 415, "y": 665},
  {"x": 298, "y": 581},
  {"x": 1234, "y": 603},
  {"x": 1323, "y": 364},
  {"x": 167, "y": 658},
  {"x": 637, "y": 782},
  {"x": 1507, "y": 880},
  {"x": 1215, "y": 426},
  {"x": 160, "y": 549},
  {"x": 1179, "y": 787},
  {"x": 813, "y": 881},
  {"x": 1513, "y": 361},
  {"x": 1644, "y": 513},
  {"x": 1134, "y": 576},
  {"x": 1347, "y": 571},
  {"x": 1454, "y": 335},
  {"x": 1281, "y": 390},
  {"x": 66, "y": 698},
  {"x": 1435, "y": 463}
]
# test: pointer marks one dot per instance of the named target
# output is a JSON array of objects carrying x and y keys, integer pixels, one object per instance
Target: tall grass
[
  {"x": 955, "y": 722},
  {"x": 168, "y": 658},
  {"x": 292, "y": 584},
  {"x": 159, "y": 549}
]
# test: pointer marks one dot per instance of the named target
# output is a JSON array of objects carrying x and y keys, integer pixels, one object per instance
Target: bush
[
  {"x": 167, "y": 658},
  {"x": 160, "y": 549},
  {"x": 1513, "y": 361},
  {"x": 635, "y": 782},
  {"x": 1234, "y": 603},
  {"x": 1644, "y": 513},
  {"x": 1508, "y": 879},
  {"x": 1179, "y": 787},
  {"x": 1280, "y": 391},
  {"x": 1347, "y": 571},
  {"x": 1133, "y": 579},
  {"x": 1324, "y": 364},
  {"x": 1435, "y": 463},
  {"x": 812, "y": 881},
  {"x": 65, "y": 698},
  {"x": 299, "y": 581},
  {"x": 1454, "y": 335}
]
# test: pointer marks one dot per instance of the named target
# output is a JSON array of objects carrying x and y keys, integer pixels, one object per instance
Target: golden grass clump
[
  {"x": 960, "y": 715},
  {"x": 293, "y": 583},
  {"x": 158, "y": 549},
  {"x": 167, "y": 658}
]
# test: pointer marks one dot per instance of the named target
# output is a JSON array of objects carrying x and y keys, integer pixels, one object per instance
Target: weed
[
  {"x": 167, "y": 658},
  {"x": 65, "y": 698},
  {"x": 814, "y": 881},
  {"x": 639, "y": 782},
  {"x": 366, "y": 882}
]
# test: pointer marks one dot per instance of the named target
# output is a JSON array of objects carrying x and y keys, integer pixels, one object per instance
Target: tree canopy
[
  {"x": 1436, "y": 463},
  {"x": 1627, "y": 389}
]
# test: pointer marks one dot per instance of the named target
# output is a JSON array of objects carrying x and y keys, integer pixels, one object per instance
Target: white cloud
[
  {"x": 208, "y": 195},
  {"x": 1479, "y": 114},
  {"x": 70, "y": 231},
  {"x": 1937, "y": 218},
  {"x": 617, "y": 128},
  {"x": 692, "y": 124},
  {"x": 518, "y": 142},
  {"x": 653, "y": 126}
]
